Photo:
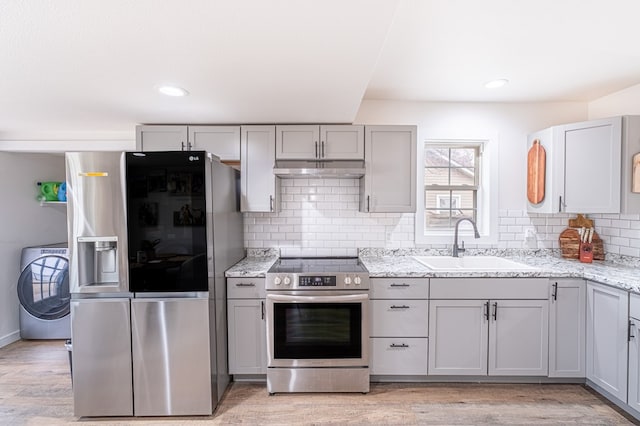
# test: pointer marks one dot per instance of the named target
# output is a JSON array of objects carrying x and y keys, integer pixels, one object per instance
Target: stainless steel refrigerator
[{"x": 150, "y": 236}]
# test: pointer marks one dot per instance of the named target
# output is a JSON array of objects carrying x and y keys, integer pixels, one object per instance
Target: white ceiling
[{"x": 92, "y": 65}]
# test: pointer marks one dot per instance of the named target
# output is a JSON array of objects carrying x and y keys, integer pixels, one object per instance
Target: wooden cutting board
[{"x": 536, "y": 166}]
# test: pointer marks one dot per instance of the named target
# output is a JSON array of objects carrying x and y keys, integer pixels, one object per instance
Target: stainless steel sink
[{"x": 472, "y": 263}]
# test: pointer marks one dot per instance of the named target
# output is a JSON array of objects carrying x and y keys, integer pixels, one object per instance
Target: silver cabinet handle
[
  {"x": 316, "y": 149},
  {"x": 271, "y": 203},
  {"x": 182, "y": 146},
  {"x": 399, "y": 285},
  {"x": 554, "y": 293},
  {"x": 495, "y": 311},
  {"x": 262, "y": 308},
  {"x": 322, "y": 154},
  {"x": 189, "y": 146},
  {"x": 245, "y": 285},
  {"x": 399, "y": 307},
  {"x": 368, "y": 203},
  {"x": 630, "y": 335},
  {"x": 486, "y": 311},
  {"x": 393, "y": 345}
]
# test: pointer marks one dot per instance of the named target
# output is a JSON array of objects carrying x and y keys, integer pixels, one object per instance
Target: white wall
[
  {"x": 320, "y": 217},
  {"x": 509, "y": 124},
  {"x": 24, "y": 223},
  {"x": 624, "y": 102}
]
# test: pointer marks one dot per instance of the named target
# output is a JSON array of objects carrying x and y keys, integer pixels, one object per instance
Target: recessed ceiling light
[
  {"x": 494, "y": 84},
  {"x": 172, "y": 90}
]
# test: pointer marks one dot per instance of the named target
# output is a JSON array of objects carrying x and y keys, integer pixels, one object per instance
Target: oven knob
[
  {"x": 357, "y": 280},
  {"x": 277, "y": 280},
  {"x": 287, "y": 281},
  {"x": 347, "y": 280}
]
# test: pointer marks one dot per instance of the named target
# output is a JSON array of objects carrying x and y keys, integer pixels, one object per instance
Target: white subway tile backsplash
[{"x": 320, "y": 217}]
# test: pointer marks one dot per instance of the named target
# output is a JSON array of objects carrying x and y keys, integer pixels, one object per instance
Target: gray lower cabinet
[
  {"x": 247, "y": 327},
  {"x": 607, "y": 346},
  {"x": 567, "y": 327},
  {"x": 171, "y": 358},
  {"x": 102, "y": 374},
  {"x": 498, "y": 334},
  {"x": 399, "y": 330},
  {"x": 634, "y": 352}
]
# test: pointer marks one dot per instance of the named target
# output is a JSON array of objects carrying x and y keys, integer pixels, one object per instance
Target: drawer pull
[
  {"x": 393, "y": 345},
  {"x": 399, "y": 307},
  {"x": 399, "y": 285},
  {"x": 245, "y": 285}
]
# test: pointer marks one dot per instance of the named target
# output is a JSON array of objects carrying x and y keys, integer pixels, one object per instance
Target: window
[
  {"x": 457, "y": 182},
  {"x": 450, "y": 184}
]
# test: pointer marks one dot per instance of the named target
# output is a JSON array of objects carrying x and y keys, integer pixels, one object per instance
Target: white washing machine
[{"x": 43, "y": 290}]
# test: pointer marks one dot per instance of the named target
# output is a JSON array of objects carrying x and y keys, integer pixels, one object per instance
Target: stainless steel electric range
[{"x": 318, "y": 325}]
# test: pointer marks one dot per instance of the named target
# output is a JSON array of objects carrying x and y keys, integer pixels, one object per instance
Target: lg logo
[{"x": 194, "y": 158}]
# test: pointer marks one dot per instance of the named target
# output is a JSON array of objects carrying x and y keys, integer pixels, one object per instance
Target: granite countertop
[
  {"x": 400, "y": 263},
  {"x": 617, "y": 275},
  {"x": 256, "y": 264}
]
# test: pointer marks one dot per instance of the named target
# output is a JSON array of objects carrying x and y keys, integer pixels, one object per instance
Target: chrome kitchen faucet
[{"x": 456, "y": 249}]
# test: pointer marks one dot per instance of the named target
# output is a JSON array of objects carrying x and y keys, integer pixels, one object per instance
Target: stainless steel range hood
[{"x": 319, "y": 169}]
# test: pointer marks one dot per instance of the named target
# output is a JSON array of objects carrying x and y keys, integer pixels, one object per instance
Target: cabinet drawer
[
  {"x": 246, "y": 288},
  {"x": 399, "y": 288},
  {"x": 398, "y": 356},
  {"x": 399, "y": 318},
  {"x": 634, "y": 305},
  {"x": 489, "y": 288}
]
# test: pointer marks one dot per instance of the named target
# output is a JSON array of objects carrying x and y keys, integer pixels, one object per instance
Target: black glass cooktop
[{"x": 297, "y": 265}]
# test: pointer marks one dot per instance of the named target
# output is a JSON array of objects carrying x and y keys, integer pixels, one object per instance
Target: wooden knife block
[{"x": 570, "y": 245}]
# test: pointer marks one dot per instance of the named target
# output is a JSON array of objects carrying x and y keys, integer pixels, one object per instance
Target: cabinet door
[
  {"x": 567, "y": 328},
  {"x": 399, "y": 318},
  {"x": 390, "y": 161},
  {"x": 398, "y": 356},
  {"x": 634, "y": 363},
  {"x": 518, "y": 338},
  {"x": 247, "y": 336},
  {"x": 458, "y": 331},
  {"x": 607, "y": 316},
  {"x": 298, "y": 142},
  {"x": 222, "y": 141},
  {"x": 161, "y": 138},
  {"x": 258, "y": 183},
  {"x": 593, "y": 151},
  {"x": 342, "y": 142}
]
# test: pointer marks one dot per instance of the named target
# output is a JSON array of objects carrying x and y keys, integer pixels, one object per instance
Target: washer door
[{"x": 43, "y": 287}]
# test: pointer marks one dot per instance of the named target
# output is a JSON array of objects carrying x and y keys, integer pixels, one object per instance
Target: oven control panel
[{"x": 342, "y": 281}]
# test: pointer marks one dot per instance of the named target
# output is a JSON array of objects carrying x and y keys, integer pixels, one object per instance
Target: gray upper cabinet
[
  {"x": 389, "y": 184},
  {"x": 161, "y": 138},
  {"x": 583, "y": 167},
  {"x": 222, "y": 141},
  {"x": 319, "y": 142},
  {"x": 259, "y": 186}
]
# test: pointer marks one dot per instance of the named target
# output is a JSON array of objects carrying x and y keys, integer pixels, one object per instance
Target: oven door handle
[{"x": 318, "y": 299}]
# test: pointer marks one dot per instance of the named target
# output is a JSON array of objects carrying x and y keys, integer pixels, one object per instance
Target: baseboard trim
[{"x": 9, "y": 338}]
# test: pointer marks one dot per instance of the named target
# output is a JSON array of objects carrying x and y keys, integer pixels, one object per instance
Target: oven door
[{"x": 318, "y": 329}]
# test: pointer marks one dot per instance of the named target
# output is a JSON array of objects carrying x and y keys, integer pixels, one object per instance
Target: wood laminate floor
[{"x": 35, "y": 389}]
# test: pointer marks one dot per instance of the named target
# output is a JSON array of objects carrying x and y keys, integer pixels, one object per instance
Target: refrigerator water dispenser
[{"x": 98, "y": 261}]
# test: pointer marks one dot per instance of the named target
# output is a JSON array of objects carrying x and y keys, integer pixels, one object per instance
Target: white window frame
[{"x": 487, "y": 201}]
